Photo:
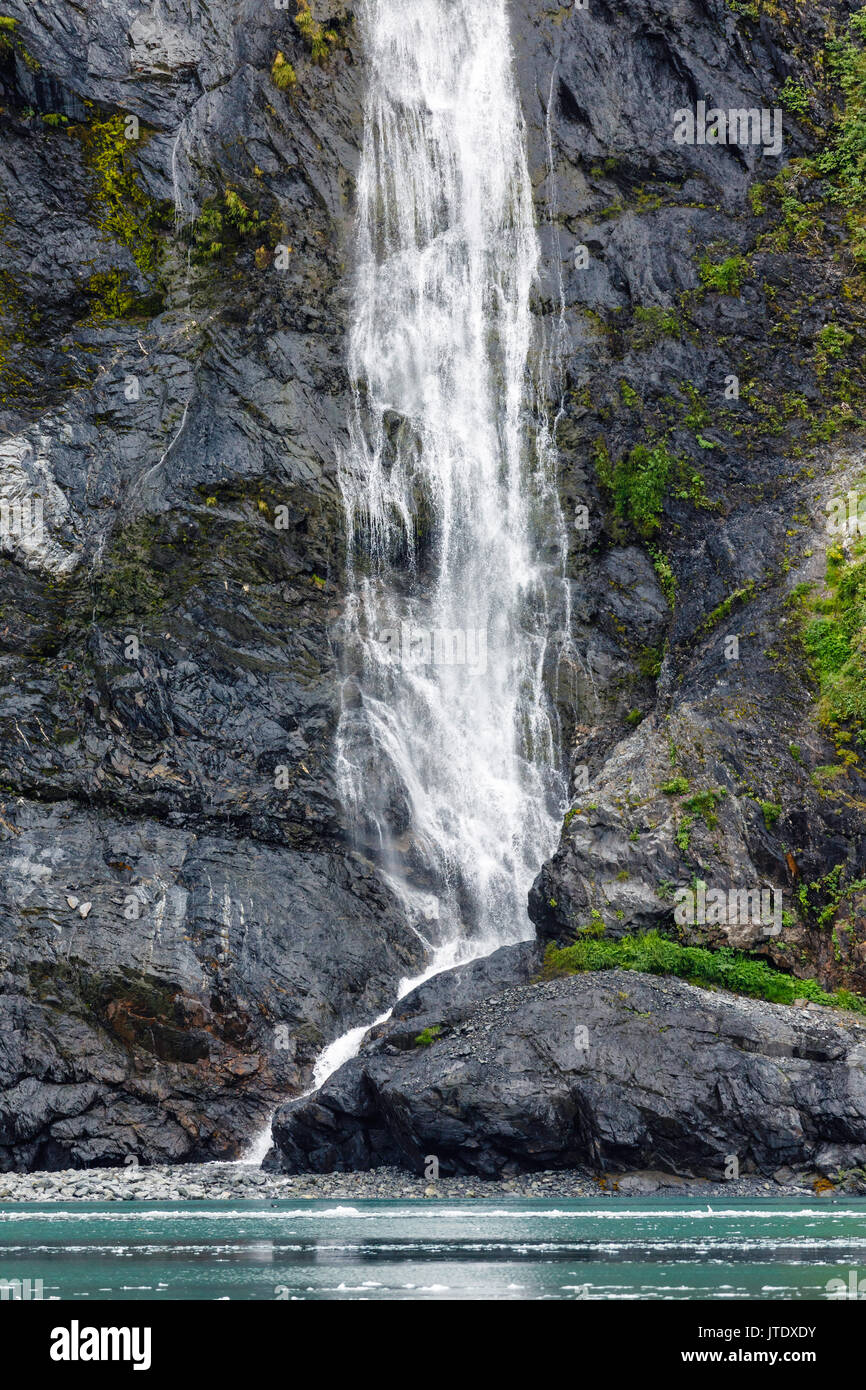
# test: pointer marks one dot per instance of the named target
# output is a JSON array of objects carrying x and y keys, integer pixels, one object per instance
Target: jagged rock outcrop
[{"x": 614, "y": 1072}]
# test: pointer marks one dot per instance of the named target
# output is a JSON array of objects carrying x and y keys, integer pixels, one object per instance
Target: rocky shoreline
[{"x": 242, "y": 1182}]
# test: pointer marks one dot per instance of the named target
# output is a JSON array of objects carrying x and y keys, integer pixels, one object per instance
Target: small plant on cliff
[
  {"x": 677, "y": 786},
  {"x": 834, "y": 640},
  {"x": 704, "y": 804},
  {"x": 8, "y": 36},
  {"x": 794, "y": 97},
  {"x": 126, "y": 213},
  {"x": 11, "y": 42},
  {"x": 844, "y": 159},
  {"x": 223, "y": 223},
  {"x": 725, "y": 277},
  {"x": 664, "y": 573},
  {"x": 428, "y": 1036},
  {"x": 831, "y": 342},
  {"x": 320, "y": 40},
  {"x": 771, "y": 811},
  {"x": 282, "y": 73},
  {"x": 640, "y": 482}
]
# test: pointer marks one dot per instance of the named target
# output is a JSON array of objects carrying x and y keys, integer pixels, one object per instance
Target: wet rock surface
[
  {"x": 615, "y": 1072},
  {"x": 651, "y": 693},
  {"x": 182, "y": 926}
]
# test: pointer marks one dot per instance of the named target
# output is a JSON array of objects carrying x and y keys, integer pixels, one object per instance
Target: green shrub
[
  {"x": 221, "y": 224},
  {"x": 640, "y": 482},
  {"x": 654, "y": 954},
  {"x": 835, "y": 640},
  {"x": 844, "y": 158},
  {"x": 830, "y": 343},
  {"x": 664, "y": 573},
  {"x": 428, "y": 1036},
  {"x": 771, "y": 812},
  {"x": 126, "y": 213},
  {"x": 282, "y": 73},
  {"x": 723, "y": 610},
  {"x": 319, "y": 39},
  {"x": 704, "y": 804},
  {"x": 650, "y": 662},
  {"x": 677, "y": 786},
  {"x": 654, "y": 323},
  {"x": 794, "y": 97},
  {"x": 725, "y": 277}
]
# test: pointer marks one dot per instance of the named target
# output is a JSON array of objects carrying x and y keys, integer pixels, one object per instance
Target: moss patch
[
  {"x": 654, "y": 954},
  {"x": 835, "y": 639},
  {"x": 125, "y": 214},
  {"x": 640, "y": 481}
]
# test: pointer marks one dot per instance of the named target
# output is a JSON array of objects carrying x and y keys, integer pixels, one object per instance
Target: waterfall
[{"x": 447, "y": 747}]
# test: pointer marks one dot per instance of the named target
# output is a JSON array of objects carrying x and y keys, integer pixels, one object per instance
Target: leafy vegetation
[
  {"x": 320, "y": 40},
  {"x": 125, "y": 214},
  {"x": 677, "y": 786},
  {"x": 11, "y": 42},
  {"x": 428, "y": 1036},
  {"x": 641, "y": 480},
  {"x": 725, "y": 277},
  {"x": 794, "y": 97},
  {"x": 771, "y": 811},
  {"x": 654, "y": 954},
  {"x": 724, "y": 608},
  {"x": 824, "y": 897},
  {"x": 831, "y": 342},
  {"x": 664, "y": 573},
  {"x": 844, "y": 159},
  {"x": 224, "y": 223},
  {"x": 835, "y": 639},
  {"x": 704, "y": 804},
  {"x": 282, "y": 73},
  {"x": 654, "y": 323}
]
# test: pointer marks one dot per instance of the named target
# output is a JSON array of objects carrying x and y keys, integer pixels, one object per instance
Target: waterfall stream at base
[{"x": 448, "y": 747}]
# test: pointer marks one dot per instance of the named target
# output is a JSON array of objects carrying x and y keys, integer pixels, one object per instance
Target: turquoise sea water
[{"x": 436, "y": 1249}]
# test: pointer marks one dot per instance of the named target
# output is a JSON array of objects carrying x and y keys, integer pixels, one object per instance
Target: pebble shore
[{"x": 232, "y": 1182}]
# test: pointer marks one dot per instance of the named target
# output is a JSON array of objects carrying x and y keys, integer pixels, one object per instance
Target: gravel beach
[{"x": 243, "y": 1182}]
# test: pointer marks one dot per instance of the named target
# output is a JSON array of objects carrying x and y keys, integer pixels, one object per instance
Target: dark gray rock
[
  {"x": 168, "y": 688},
  {"x": 167, "y": 407},
  {"x": 648, "y": 351},
  {"x": 615, "y": 1071},
  {"x": 457, "y": 991}
]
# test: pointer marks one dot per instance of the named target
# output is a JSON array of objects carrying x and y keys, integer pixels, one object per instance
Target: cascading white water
[{"x": 447, "y": 745}]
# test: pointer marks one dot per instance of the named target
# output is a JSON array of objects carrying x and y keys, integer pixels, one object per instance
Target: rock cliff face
[
  {"x": 610, "y": 1072},
  {"x": 708, "y": 742},
  {"x": 183, "y": 925}
]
